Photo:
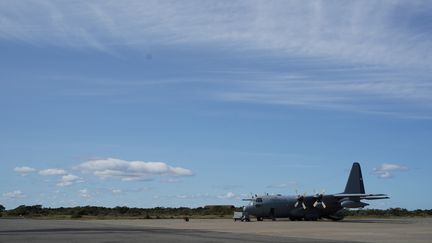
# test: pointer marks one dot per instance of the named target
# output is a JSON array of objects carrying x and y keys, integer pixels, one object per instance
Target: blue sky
[{"x": 200, "y": 102}]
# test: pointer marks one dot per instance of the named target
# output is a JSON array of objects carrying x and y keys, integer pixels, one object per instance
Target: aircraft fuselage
[{"x": 285, "y": 207}]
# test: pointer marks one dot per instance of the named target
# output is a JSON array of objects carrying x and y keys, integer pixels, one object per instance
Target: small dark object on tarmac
[{"x": 186, "y": 219}]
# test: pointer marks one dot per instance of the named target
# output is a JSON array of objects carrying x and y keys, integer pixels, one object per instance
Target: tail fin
[{"x": 355, "y": 180}]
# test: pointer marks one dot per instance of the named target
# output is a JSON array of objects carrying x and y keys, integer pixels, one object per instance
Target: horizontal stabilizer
[
  {"x": 375, "y": 198},
  {"x": 358, "y": 195},
  {"x": 362, "y": 196}
]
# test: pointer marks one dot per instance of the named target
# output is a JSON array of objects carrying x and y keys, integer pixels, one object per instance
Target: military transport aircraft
[{"x": 312, "y": 207}]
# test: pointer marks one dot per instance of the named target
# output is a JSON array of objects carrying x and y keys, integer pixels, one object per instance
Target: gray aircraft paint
[
  {"x": 301, "y": 207},
  {"x": 355, "y": 180}
]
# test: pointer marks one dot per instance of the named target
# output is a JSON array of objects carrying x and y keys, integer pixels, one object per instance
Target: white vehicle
[{"x": 242, "y": 216}]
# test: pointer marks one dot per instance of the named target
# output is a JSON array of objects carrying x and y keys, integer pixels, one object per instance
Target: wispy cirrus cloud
[
  {"x": 386, "y": 170},
  {"x": 369, "y": 32},
  {"x": 377, "y": 91},
  {"x": 359, "y": 56}
]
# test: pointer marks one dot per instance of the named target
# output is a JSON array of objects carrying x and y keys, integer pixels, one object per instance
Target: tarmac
[{"x": 216, "y": 230}]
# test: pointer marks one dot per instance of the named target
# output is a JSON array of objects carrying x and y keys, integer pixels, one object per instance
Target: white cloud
[
  {"x": 103, "y": 164},
  {"x": 228, "y": 195},
  {"x": 68, "y": 180},
  {"x": 24, "y": 170},
  {"x": 171, "y": 180},
  {"x": 84, "y": 193},
  {"x": 130, "y": 170},
  {"x": 291, "y": 184},
  {"x": 148, "y": 167},
  {"x": 386, "y": 170},
  {"x": 52, "y": 171},
  {"x": 178, "y": 171},
  {"x": 14, "y": 195},
  {"x": 200, "y": 196},
  {"x": 116, "y": 191}
]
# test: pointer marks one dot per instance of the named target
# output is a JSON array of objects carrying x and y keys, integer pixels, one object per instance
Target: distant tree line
[
  {"x": 391, "y": 212},
  {"x": 148, "y": 213},
  {"x": 162, "y": 212}
]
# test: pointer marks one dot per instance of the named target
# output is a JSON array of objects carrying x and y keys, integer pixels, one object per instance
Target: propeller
[
  {"x": 319, "y": 199},
  {"x": 300, "y": 200}
]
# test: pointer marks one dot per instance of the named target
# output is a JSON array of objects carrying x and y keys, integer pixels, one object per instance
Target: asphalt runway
[
  {"x": 27, "y": 230},
  {"x": 214, "y": 230}
]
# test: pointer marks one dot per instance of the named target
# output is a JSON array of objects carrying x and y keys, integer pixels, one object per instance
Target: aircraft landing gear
[
  {"x": 259, "y": 218},
  {"x": 336, "y": 219},
  {"x": 272, "y": 214}
]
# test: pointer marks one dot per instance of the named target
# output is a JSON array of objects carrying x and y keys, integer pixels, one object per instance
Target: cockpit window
[{"x": 259, "y": 200}]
